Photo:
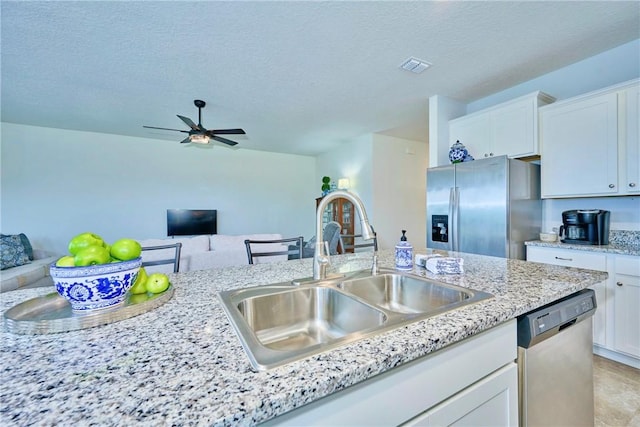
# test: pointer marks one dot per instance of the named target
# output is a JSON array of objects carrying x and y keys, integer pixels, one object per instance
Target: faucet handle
[
  {"x": 324, "y": 257},
  {"x": 374, "y": 264},
  {"x": 321, "y": 260}
]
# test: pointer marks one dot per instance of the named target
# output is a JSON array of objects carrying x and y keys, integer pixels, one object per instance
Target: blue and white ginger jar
[{"x": 458, "y": 152}]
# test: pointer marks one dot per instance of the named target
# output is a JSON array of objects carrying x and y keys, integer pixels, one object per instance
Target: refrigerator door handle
[{"x": 453, "y": 222}]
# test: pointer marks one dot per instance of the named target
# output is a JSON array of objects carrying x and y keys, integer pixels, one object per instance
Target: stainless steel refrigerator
[{"x": 489, "y": 206}]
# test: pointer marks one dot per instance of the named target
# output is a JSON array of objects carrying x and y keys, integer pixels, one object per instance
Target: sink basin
[
  {"x": 279, "y": 323},
  {"x": 282, "y": 322},
  {"x": 300, "y": 318},
  {"x": 405, "y": 294}
]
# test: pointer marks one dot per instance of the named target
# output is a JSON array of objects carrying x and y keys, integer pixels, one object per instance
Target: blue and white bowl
[{"x": 95, "y": 286}]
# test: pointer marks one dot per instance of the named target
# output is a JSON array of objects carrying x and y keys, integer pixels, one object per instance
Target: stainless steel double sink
[{"x": 283, "y": 322}]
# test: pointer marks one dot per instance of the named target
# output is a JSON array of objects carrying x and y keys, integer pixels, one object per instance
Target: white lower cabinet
[
  {"x": 474, "y": 381},
  {"x": 578, "y": 259},
  {"x": 616, "y": 323},
  {"x": 492, "y": 401},
  {"x": 627, "y": 305}
]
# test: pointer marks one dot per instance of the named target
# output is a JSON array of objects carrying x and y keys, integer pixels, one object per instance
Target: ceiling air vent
[{"x": 415, "y": 65}]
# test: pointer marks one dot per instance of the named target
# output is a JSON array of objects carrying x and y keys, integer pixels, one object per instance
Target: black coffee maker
[{"x": 585, "y": 227}]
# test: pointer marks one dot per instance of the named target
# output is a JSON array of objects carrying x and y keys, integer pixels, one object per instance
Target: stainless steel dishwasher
[{"x": 555, "y": 363}]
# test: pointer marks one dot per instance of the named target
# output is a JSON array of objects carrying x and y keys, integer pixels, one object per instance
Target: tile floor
[{"x": 617, "y": 393}]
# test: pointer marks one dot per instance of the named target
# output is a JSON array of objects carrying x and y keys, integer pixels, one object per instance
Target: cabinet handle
[
  {"x": 619, "y": 283},
  {"x": 632, "y": 184},
  {"x": 564, "y": 259},
  {"x": 611, "y": 186}
]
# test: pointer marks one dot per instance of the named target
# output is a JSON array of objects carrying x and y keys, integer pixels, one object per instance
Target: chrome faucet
[{"x": 320, "y": 257}]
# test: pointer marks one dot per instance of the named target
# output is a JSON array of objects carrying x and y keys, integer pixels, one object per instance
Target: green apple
[
  {"x": 66, "y": 261},
  {"x": 139, "y": 286},
  {"x": 157, "y": 282},
  {"x": 138, "y": 298},
  {"x": 92, "y": 255},
  {"x": 84, "y": 240},
  {"x": 126, "y": 249}
]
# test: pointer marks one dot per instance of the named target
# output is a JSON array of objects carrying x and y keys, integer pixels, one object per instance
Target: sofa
[
  {"x": 197, "y": 253},
  {"x": 209, "y": 251},
  {"x": 23, "y": 266}
]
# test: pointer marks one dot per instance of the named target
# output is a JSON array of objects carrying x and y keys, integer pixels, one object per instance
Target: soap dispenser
[{"x": 404, "y": 253}]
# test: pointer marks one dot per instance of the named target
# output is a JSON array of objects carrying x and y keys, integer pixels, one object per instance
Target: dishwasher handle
[{"x": 569, "y": 323}]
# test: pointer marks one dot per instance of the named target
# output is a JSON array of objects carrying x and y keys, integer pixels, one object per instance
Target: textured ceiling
[{"x": 299, "y": 77}]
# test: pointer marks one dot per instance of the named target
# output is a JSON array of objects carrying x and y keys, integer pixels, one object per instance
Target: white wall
[
  {"x": 400, "y": 196},
  {"x": 625, "y": 211},
  {"x": 352, "y": 160},
  {"x": 441, "y": 110},
  {"x": 57, "y": 183},
  {"x": 390, "y": 182},
  {"x": 605, "y": 69}
]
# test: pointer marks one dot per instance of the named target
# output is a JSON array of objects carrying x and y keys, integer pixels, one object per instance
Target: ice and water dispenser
[{"x": 439, "y": 228}]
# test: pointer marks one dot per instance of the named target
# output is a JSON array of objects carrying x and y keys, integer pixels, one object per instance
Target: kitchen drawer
[
  {"x": 627, "y": 265},
  {"x": 568, "y": 258}
]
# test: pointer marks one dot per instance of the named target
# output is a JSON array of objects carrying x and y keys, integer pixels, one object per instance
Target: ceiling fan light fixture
[
  {"x": 199, "y": 139},
  {"x": 198, "y": 134}
]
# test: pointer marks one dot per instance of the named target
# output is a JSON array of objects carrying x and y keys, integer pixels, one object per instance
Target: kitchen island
[{"x": 182, "y": 364}]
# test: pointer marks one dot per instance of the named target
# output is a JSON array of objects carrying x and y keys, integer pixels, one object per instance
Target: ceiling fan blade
[
  {"x": 224, "y": 140},
  {"x": 177, "y": 130},
  {"x": 186, "y": 140},
  {"x": 189, "y": 123},
  {"x": 227, "y": 132}
]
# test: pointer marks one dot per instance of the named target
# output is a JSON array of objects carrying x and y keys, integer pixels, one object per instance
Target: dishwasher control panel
[{"x": 554, "y": 317}]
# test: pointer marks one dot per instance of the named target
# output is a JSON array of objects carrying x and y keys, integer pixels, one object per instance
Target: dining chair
[
  {"x": 274, "y": 248},
  {"x": 174, "y": 256},
  {"x": 330, "y": 234},
  {"x": 346, "y": 247}
]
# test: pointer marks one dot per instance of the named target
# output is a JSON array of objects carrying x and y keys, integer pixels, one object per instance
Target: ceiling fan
[{"x": 198, "y": 134}]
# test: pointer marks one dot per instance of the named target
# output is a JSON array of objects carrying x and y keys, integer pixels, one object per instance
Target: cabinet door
[
  {"x": 513, "y": 130},
  {"x": 630, "y": 181},
  {"x": 576, "y": 259},
  {"x": 580, "y": 147},
  {"x": 493, "y": 401},
  {"x": 627, "y": 305},
  {"x": 474, "y": 132}
]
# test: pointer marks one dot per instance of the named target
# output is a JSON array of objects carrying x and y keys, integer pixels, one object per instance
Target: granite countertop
[{"x": 183, "y": 364}]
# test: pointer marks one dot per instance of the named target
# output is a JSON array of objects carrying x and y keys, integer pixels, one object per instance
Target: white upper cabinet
[
  {"x": 589, "y": 144},
  {"x": 510, "y": 128},
  {"x": 630, "y": 149}
]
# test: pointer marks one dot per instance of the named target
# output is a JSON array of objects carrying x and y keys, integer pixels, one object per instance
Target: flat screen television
[{"x": 191, "y": 222}]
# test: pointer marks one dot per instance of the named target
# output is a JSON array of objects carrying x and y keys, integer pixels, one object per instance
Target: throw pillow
[
  {"x": 12, "y": 252},
  {"x": 27, "y": 245}
]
